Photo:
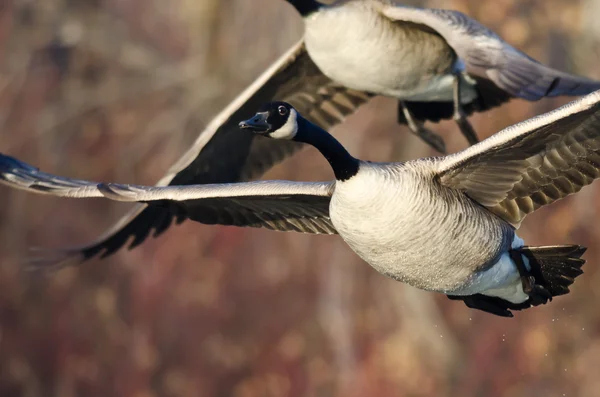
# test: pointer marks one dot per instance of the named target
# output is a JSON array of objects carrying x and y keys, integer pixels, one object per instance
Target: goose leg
[
  {"x": 538, "y": 294},
  {"x": 460, "y": 117},
  {"x": 432, "y": 139},
  {"x": 485, "y": 303},
  {"x": 491, "y": 304}
]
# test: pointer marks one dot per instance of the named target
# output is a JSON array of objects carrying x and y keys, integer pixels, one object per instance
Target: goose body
[
  {"x": 420, "y": 233},
  {"x": 352, "y": 50},
  {"x": 444, "y": 224}
]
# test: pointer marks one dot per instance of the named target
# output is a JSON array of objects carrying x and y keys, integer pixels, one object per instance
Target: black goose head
[
  {"x": 277, "y": 120},
  {"x": 305, "y": 7}
]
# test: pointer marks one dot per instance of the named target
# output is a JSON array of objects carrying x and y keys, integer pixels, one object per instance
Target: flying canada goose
[
  {"x": 362, "y": 48},
  {"x": 440, "y": 64},
  {"x": 444, "y": 224}
]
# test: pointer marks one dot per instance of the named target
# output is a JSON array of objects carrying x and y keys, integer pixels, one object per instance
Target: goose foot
[
  {"x": 417, "y": 128},
  {"x": 538, "y": 294},
  {"x": 460, "y": 117},
  {"x": 486, "y": 304}
]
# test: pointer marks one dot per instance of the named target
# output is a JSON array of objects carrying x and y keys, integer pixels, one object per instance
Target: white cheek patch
[{"x": 289, "y": 129}]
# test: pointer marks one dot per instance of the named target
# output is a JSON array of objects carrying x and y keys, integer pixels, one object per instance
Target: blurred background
[{"x": 116, "y": 90}]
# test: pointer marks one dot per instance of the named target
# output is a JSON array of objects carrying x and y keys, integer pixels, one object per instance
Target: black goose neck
[
  {"x": 343, "y": 164},
  {"x": 305, "y": 7}
]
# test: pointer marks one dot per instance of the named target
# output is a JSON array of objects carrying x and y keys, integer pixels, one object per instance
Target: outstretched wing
[
  {"x": 530, "y": 164},
  {"x": 276, "y": 205},
  {"x": 485, "y": 54}
]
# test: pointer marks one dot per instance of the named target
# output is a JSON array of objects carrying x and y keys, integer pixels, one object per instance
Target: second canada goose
[
  {"x": 444, "y": 224},
  {"x": 439, "y": 63}
]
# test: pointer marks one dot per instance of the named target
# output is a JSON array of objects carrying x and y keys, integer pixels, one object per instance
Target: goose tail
[{"x": 556, "y": 266}]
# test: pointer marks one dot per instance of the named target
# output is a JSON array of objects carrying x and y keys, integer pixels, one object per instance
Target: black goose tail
[
  {"x": 556, "y": 266},
  {"x": 553, "y": 267}
]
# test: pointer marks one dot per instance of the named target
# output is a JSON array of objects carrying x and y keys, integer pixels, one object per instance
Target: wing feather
[{"x": 20, "y": 175}]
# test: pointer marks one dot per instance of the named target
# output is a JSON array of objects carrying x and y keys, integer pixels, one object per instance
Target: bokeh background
[{"x": 116, "y": 90}]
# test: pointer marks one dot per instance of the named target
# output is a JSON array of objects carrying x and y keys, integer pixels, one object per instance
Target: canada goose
[
  {"x": 444, "y": 224},
  {"x": 500, "y": 72},
  {"x": 440, "y": 64}
]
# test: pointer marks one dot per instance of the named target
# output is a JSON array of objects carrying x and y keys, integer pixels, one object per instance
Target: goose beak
[{"x": 258, "y": 123}]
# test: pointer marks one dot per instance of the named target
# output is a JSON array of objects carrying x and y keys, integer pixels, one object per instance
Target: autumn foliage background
[{"x": 116, "y": 90}]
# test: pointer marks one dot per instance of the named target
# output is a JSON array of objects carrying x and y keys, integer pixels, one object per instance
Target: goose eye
[{"x": 282, "y": 110}]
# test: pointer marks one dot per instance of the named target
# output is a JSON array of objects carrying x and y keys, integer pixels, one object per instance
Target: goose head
[{"x": 277, "y": 120}]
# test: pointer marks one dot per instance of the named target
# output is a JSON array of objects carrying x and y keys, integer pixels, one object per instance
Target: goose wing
[
  {"x": 486, "y": 54},
  {"x": 530, "y": 164},
  {"x": 223, "y": 153},
  {"x": 276, "y": 205}
]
